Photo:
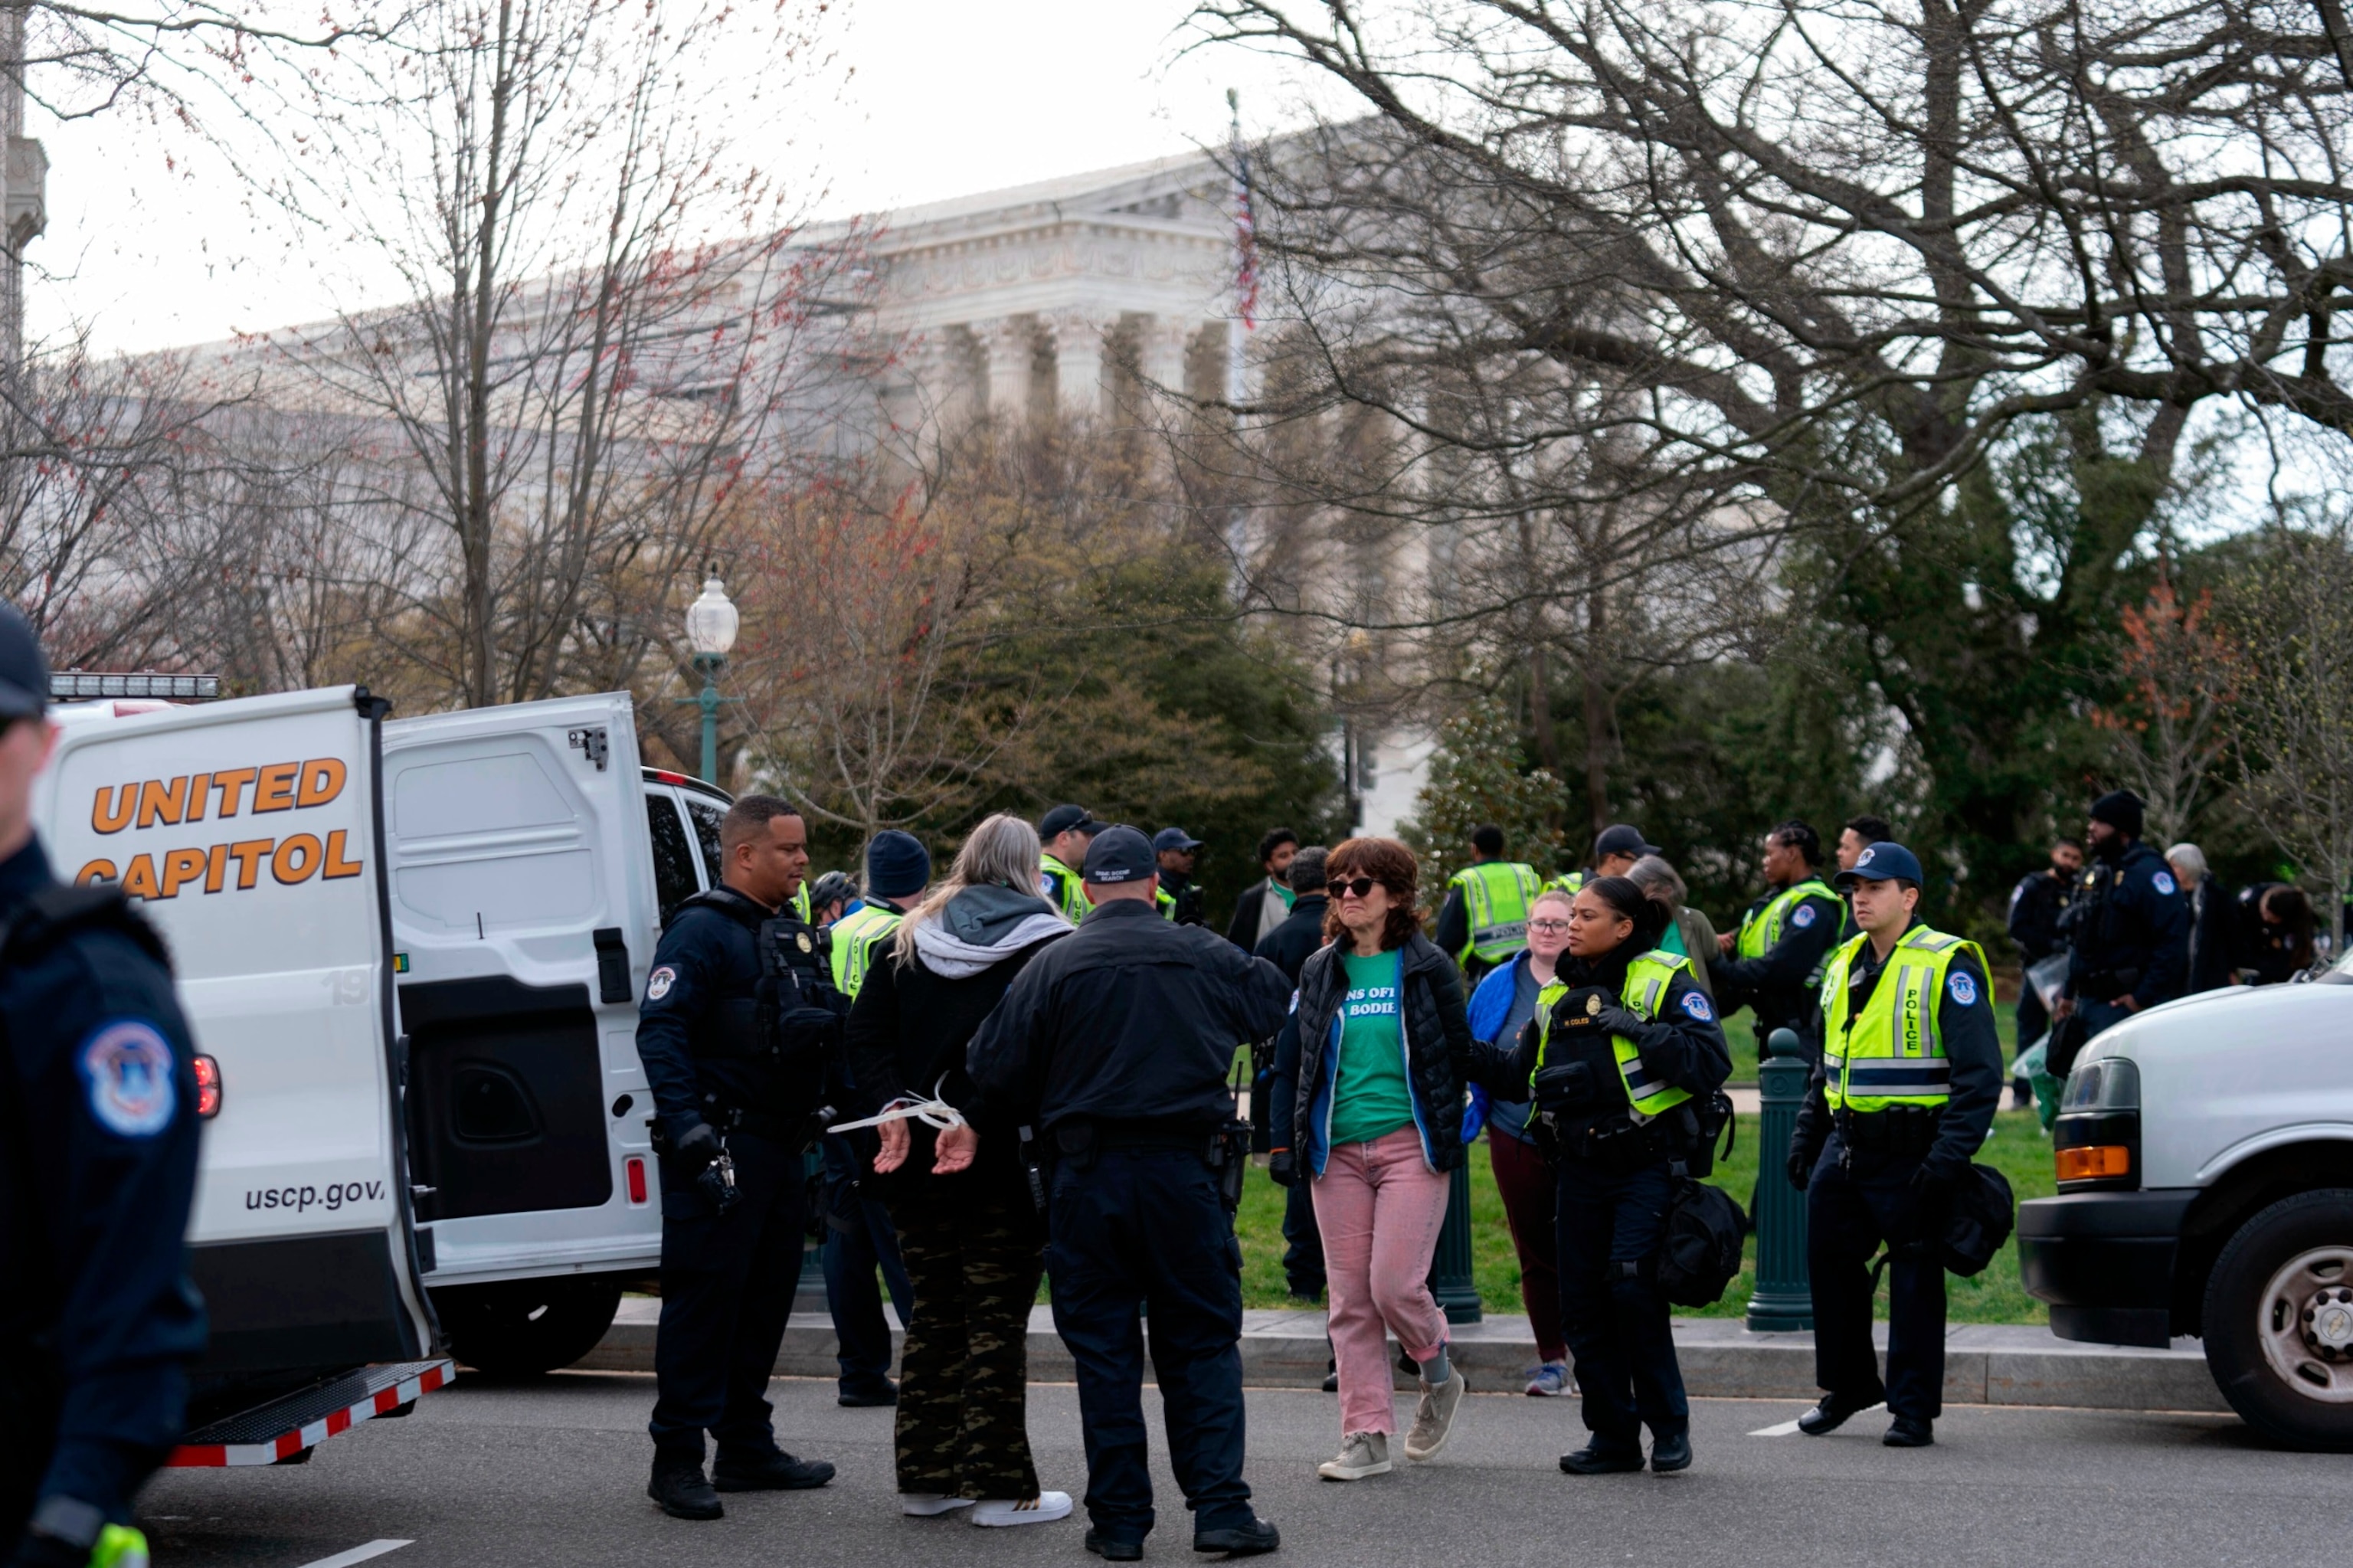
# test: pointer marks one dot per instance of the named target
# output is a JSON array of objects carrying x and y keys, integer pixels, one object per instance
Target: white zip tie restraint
[{"x": 933, "y": 1113}]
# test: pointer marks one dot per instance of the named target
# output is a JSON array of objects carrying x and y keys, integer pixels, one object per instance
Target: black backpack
[
  {"x": 1979, "y": 1222},
  {"x": 1700, "y": 1254}
]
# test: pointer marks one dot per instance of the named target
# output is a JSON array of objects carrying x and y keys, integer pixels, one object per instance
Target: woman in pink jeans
[{"x": 1373, "y": 1067}]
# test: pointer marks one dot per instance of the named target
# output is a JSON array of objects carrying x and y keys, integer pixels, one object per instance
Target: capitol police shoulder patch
[
  {"x": 1962, "y": 987},
  {"x": 1804, "y": 916},
  {"x": 1696, "y": 1005},
  {"x": 657, "y": 983},
  {"x": 126, "y": 1068},
  {"x": 2162, "y": 881}
]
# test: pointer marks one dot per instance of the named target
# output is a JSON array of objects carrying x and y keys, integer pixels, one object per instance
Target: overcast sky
[{"x": 941, "y": 98}]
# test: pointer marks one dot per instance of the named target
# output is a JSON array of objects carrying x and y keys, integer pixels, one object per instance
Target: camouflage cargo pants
[{"x": 975, "y": 1258}]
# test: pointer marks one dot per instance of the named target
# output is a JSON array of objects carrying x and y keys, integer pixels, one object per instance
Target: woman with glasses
[
  {"x": 1500, "y": 1008},
  {"x": 1623, "y": 1050},
  {"x": 1372, "y": 1069}
]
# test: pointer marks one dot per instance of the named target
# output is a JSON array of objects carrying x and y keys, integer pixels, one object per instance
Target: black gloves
[
  {"x": 1932, "y": 1190},
  {"x": 700, "y": 1146},
  {"x": 1618, "y": 1019},
  {"x": 1282, "y": 1169},
  {"x": 1801, "y": 1168},
  {"x": 1565, "y": 1089},
  {"x": 715, "y": 1171}
]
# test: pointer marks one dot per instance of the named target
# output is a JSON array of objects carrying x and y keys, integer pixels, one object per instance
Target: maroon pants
[{"x": 1527, "y": 1183}]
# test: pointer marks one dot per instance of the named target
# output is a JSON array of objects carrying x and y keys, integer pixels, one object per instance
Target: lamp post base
[{"x": 1777, "y": 1312}]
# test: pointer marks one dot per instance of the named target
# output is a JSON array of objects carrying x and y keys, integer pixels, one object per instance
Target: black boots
[
  {"x": 1907, "y": 1432},
  {"x": 1602, "y": 1457},
  {"x": 1239, "y": 1540},
  {"x": 773, "y": 1470},
  {"x": 1831, "y": 1414},
  {"x": 678, "y": 1485}
]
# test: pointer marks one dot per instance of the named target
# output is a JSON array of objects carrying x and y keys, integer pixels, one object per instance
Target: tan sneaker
[
  {"x": 1361, "y": 1453},
  {"x": 1433, "y": 1422}
]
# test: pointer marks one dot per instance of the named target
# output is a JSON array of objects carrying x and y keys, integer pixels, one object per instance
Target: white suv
[{"x": 2205, "y": 1163}]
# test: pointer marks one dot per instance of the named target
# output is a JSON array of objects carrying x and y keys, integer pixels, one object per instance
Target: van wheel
[
  {"x": 2279, "y": 1321},
  {"x": 522, "y": 1327}
]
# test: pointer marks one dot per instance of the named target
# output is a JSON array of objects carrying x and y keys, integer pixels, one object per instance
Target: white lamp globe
[{"x": 712, "y": 620}]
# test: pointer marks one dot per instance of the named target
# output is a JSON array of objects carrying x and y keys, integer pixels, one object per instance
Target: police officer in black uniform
[
  {"x": 1891, "y": 1118},
  {"x": 735, "y": 1053},
  {"x": 1115, "y": 1045},
  {"x": 98, "y": 1165},
  {"x": 1773, "y": 961},
  {"x": 2127, "y": 927}
]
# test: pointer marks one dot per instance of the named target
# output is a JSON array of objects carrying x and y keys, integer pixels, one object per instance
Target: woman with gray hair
[
  {"x": 2210, "y": 955},
  {"x": 970, "y": 1236},
  {"x": 1688, "y": 931}
]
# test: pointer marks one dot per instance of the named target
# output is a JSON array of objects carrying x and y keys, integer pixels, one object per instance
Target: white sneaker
[
  {"x": 930, "y": 1505},
  {"x": 1361, "y": 1453},
  {"x": 1043, "y": 1508},
  {"x": 1433, "y": 1422}
]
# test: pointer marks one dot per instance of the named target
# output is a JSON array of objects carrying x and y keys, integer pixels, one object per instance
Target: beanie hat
[
  {"x": 896, "y": 865},
  {"x": 2121, "y": 810}
]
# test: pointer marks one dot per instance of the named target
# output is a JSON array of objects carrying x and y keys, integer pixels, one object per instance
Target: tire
[
  {"x": 521, "y": 1328},
  {"x": 2279, "y": 1321}
]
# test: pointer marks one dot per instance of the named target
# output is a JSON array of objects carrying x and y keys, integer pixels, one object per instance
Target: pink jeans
[{"x": 1379, "y": 1207}]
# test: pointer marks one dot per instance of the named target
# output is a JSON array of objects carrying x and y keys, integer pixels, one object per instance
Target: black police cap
[{"x": 24, "y": 673}]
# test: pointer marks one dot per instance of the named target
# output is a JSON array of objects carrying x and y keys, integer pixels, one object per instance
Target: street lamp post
[{"x": 710, "y": 623}]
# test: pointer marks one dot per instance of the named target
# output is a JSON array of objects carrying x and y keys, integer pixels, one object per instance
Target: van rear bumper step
[{"x": 269, "y": 1433}]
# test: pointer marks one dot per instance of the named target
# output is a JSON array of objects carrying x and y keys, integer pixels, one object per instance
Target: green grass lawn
[{"x": 2017, "y": 1150}]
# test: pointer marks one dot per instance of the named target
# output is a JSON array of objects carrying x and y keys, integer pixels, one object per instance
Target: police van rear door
[
  {"x": 249, "y": 830},
  {"x": 524, "y": 916}
]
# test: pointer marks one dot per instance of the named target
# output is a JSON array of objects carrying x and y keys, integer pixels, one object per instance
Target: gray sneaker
[
  {"x": 1361, "y": 1453},
  {"x": 1434, "y": 1421}
]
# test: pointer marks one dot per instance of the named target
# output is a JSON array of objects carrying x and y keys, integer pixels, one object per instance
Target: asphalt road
[{"x": 553, "y": 1472}]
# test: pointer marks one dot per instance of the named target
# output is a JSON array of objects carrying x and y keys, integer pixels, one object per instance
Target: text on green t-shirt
[{"x": 1369, "y": 1095}]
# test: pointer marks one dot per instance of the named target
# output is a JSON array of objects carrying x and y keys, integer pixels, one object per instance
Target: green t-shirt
[
  {"x": 1369, "y": 1095},
  {"x": 1290, "y": 899}
]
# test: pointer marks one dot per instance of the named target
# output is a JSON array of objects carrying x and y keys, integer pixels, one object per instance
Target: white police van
[
  {"x": 409, "y": 952},
  {"x": 2205, "y": 1163}
]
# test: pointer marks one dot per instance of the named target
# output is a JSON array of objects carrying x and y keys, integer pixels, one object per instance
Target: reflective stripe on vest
[
  {"x": 801, "y": 905},
  {"x": 1166, "y": 901},
  {"x": 1647, "y": 979},
  {"x": 854, "y": 936},
  {"x": 1496, "y": 896},
  {"x": 1568, "y": 882},
  {"x": 1889, "y": 1054},
  {"x": 1761, "y": 930},
  {"x": 1059, "y": 886}
]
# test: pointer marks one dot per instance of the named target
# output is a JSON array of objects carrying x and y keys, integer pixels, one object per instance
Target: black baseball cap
[
  {"x": 1063, "y": 819},
  {"x": 24, "y": 673},
  {"x": 1120, "y": 853},
  {"x": 1175, "y": 839},
  {"x": 1621, "y": 839},
  {"x": 1882, "y": 862}
]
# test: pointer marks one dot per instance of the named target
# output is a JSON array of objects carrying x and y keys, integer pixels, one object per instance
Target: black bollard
[
  {"x": 1451, "y": 1280},
  {"x": 1784, "y": 1297}
]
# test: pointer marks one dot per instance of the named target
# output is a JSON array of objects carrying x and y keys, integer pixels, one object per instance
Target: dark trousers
[
  {"x": 975, "y": 1253},
  {"x": 1849, "y": 1214},
  {"x": 727, "y": 1288},
  {"x": 1621, "y": 1343},
  {"x": 1302, "y": 1250},
  {"x": 1527, "y": 1185},
  {"x": 859, "y": 1239},
  {"x": 1145, "y": 1230},
  {"x": 2100, "y": 1016},
  {"x": 2034, "y": 1018}
]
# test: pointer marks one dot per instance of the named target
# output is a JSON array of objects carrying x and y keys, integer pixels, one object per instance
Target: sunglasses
[{"x": 1362, "y": 888}]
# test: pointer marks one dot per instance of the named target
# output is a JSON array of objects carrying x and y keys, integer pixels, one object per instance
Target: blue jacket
[{"x": 1491, "y": 1006}]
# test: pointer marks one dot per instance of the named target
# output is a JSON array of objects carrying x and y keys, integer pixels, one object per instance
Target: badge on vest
[
  {"x": 1961, "y": 988},
  {"x": 657, "y": 983},
  {"x": 1696, "y": 1005},
  {"x": 127, "y": 1068},
  {"x": 1804, "y": 916}
]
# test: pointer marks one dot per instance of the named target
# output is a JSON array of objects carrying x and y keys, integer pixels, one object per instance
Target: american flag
[{"x": 1245, "y": 227}]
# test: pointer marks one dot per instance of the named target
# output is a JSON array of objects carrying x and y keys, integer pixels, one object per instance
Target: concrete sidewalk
[{"x": 1985, "y": 1364}]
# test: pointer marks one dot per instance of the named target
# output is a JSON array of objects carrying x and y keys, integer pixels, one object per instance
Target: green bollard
[
  {"x": 1450, "y": 1279},
  {"x": 1784, "y": 1297}
]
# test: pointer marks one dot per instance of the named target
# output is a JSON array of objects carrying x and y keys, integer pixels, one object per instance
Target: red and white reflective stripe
[{"x": 289, "y": 1443}]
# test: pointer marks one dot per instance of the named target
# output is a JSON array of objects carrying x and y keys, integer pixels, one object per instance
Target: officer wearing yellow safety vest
[
  {"x": 1485, "y": 919},
  {"x": 1063, "y": 836},
  {"x": 1623, "y": 1049},
  {"x": 1774, "y": 962},
  {"x": 1615, "y": 850},
  {"x": 1904, "y": 1088},
  {"x": 859, "y": 1236}
]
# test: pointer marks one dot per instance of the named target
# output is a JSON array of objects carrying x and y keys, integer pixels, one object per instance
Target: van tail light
[
  {"x": 208, "y": 1088},
  {"x": 636, "y": 1168},
  {"x": 2095, "y": 1162}
]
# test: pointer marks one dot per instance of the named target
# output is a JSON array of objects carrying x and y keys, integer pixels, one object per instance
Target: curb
[{"x": 1985, "y": 1364}]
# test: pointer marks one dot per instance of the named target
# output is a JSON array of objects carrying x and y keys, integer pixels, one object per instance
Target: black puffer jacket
[{"x": 1442, "y": 1057}]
